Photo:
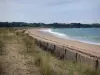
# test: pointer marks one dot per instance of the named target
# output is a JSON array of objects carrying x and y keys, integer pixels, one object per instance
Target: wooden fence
[{"x": 67, "y": 53}]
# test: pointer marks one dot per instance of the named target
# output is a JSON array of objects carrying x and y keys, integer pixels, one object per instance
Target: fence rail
[{"x": 67, "y": 53}]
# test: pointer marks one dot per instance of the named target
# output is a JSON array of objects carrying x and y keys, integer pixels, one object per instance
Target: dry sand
[{"x": 80, "y": 46}]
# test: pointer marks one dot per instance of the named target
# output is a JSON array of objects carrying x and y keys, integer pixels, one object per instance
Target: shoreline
[
  {"x": 83, "y": 47},
  {"x": 67, "y": 37}
]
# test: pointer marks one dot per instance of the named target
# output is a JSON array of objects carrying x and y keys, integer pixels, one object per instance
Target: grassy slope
[
  {"x": 12, "y": 59},
  {"x": 46, "y": 62}
]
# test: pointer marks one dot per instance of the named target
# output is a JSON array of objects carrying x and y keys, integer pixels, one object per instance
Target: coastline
[
  {"x": 83, "y": 47},
  {"x": 68, "y": 37}
]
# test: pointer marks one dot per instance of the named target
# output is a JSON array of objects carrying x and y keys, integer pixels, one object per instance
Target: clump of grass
[
  {"x": 27, "y": 41},
  {"x": 1, "y": 46},
  {"x": 90, "y": 71},
  {"x": 1, "y": 68},
  {"x": 43, "y": 61}
]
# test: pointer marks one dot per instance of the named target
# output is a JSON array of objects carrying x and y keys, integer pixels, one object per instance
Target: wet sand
[{"x": 79, "y": 46}]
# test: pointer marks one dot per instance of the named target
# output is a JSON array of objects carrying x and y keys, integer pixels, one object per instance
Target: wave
[
  {"x": 57, "y": 34},
  {"x": 89, "y": 42},
  {"x": 64, "y": 36}
]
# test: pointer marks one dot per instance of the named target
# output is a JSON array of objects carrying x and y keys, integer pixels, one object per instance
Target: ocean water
[{"x": 86, "y": 35}]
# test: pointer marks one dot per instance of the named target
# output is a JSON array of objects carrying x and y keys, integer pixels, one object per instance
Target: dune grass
[
  {"x": 5, "y": 35},
  {"x": 51, "y": 65},
  {"x": 48, "y": 64}
]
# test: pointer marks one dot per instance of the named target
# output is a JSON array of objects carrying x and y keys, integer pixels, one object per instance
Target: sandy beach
[{"x": 79, "y": 46}]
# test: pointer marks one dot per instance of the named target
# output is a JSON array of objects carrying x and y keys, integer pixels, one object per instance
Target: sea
[{"x": 86, "y": 35}]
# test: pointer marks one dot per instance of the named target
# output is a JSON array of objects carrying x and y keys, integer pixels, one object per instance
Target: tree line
[{"x": 51, "y": 25}]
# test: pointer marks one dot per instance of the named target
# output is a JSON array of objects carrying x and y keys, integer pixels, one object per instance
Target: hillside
[{"x": 19, "y": 55}]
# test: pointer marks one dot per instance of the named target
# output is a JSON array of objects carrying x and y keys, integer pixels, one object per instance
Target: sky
[{"x": 49, "y": 11}]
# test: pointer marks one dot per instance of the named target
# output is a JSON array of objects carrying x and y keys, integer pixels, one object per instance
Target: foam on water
[
  {"x": 61, "y": 35},
  {"x": 65, "y": 36}
]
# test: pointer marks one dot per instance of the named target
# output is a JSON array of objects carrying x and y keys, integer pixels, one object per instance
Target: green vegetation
[
  {"x": 51, "y": 25},
  {"x": 48, "y": 64}
]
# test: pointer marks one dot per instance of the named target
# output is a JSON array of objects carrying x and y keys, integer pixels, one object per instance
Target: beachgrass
[{"x": 48, "y": 63}]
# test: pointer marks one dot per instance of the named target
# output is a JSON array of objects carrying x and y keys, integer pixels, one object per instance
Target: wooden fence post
[{"x": 96, "y": 64}]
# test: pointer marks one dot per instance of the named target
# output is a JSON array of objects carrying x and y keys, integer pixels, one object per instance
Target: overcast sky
[{"x": 48, "y": 11}]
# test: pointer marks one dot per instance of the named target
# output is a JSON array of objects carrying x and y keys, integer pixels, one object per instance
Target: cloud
[
  {"x": 62, "y": 2},
  {"x": 86, "y": 11}
]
